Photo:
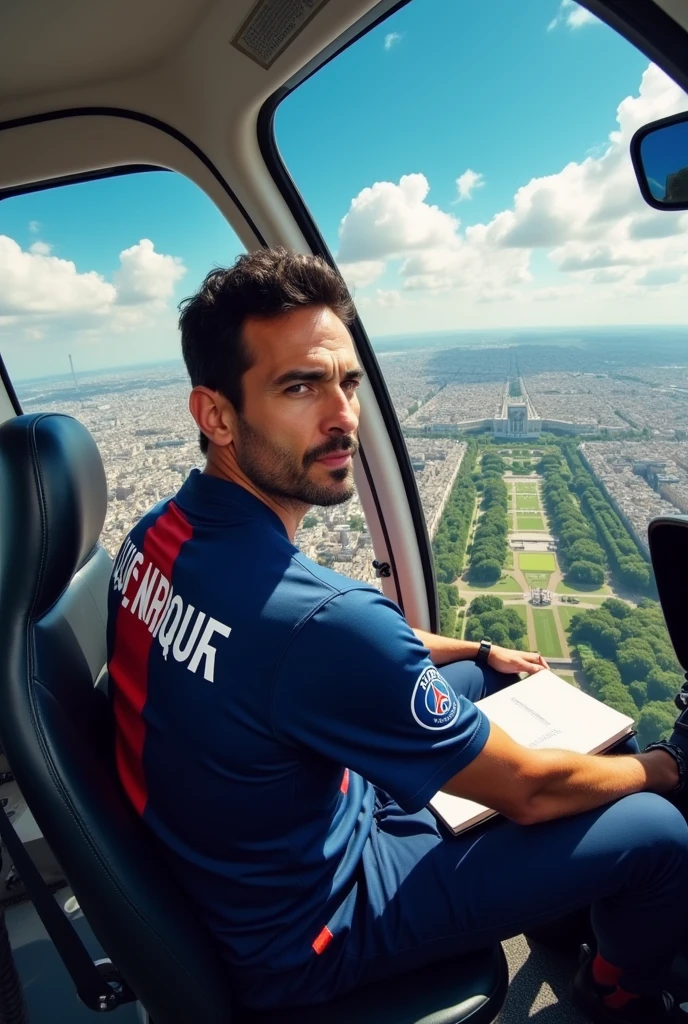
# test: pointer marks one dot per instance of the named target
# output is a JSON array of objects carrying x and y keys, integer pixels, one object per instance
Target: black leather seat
[{"x": 56, "y": 730}]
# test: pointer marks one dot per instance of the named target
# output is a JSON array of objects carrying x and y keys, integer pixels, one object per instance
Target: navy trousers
[{"x": 431, "y": 895}]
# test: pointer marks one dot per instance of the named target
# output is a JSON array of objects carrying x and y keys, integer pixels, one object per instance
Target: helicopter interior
[{"x": 89, "y": 93}]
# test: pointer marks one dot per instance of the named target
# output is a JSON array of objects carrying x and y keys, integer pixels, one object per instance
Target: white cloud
[
  {"x": 362, "y": 272},
  {"x": 391, "y": 39},
  {"x": 656, "y": 225},
  {"x": 589, "y": 219},
  {"x": 467, "y": 183},
  {"x": 472, "y": 263},
  {"x": 40, "y": 292},
  {"x": 388, "y": 299},
  {"x": 597, "y": 201},
  {"x": 395, "y": 222},
  {"x": 146, "y": 275},
  {"x": 34, "y": 227},
  {"x": 33, "y": 283},
  {"x": 388, "y": 219},
  {"x": 571, "y": 15},
  {"x": 660, "y": 276}
]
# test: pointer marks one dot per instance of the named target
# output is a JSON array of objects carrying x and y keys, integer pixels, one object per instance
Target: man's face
[{"x": 296, "y": 436}]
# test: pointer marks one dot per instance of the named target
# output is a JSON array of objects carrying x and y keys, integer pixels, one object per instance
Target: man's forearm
[
  {"x": 575, "y": 783},
  {"x": 532, "y": 786},
  {"x": 444, "y": 649}
]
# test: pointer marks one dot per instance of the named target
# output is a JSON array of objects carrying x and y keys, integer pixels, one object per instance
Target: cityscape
[
  {"x": 148, "y": 441},
  {"x": 538, "y": 465}
]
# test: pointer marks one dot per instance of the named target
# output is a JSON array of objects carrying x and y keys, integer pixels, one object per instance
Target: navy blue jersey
[{"x": 260, "y": 700}]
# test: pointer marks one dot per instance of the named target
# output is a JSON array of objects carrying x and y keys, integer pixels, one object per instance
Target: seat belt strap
[{"x": 92, "y": 988}]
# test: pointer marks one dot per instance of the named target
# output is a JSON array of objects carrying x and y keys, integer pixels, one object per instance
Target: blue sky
[
  {"x": 517, "y": 101},
  {"x": 456, "y": 91}
]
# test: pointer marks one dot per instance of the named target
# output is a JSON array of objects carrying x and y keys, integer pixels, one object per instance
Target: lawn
[
  {"x": 546, "y": 635},
  {"x": 524, "y": 501},
  {"x": 522, "y": 488},
  {"x": 537, "y": 561},
  {"x": 507, "y": 584},
  {"x": 538, "y": 579},
  {"x": 566, "y": 613},
  {"x": 580, "y": 588},
  {"x": 509, "y": 560},
  {"x": 530, "y": 522}
]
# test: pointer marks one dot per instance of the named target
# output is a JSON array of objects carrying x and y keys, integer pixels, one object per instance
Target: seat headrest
[{"x": 52, "y": 507}]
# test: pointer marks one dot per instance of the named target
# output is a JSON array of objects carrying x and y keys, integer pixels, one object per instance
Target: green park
[
  {"x": 588, "y": 603},
  {"x": 530, "y": 522},
  {"x": 537, "y": 561}
]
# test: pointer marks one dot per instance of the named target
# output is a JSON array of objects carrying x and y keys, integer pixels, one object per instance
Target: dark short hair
[{"x": 265, "y": 283}]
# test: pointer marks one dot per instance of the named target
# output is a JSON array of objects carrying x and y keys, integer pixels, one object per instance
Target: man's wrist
[
  {"x": 678, "y": 755},
  {"x": 663, "y": 774}
]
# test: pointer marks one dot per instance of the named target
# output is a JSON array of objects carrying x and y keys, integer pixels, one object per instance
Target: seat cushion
[{"x": 471, "y": 988}]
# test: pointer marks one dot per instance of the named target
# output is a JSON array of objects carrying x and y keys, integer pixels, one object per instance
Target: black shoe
[{"x": 589, "y": 996}]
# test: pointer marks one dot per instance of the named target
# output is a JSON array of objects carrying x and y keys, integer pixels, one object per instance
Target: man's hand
[{"x": 504, "y": 660}]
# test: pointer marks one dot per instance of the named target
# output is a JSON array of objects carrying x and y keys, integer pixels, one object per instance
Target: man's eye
[
  {"x": 351, "y": 384},
  {"x": 293, "y": 390}
]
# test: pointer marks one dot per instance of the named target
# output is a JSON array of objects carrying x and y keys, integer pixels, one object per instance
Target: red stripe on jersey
[
  {"x": 128, "y": 666},
  {"x": 344, "y": 788},
  {"x": 323, "y": 940}
]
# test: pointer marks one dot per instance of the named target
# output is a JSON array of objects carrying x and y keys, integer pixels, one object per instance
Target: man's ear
[{"x": 213, "y": 414}]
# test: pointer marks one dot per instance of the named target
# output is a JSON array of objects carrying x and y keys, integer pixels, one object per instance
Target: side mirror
[{"x": 659, "y": 152}]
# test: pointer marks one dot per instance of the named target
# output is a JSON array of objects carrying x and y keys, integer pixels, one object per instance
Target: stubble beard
[{"x": 280, "y": 474}]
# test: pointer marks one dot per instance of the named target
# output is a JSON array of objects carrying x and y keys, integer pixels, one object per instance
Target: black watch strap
[{"x": 483, "y": 652}]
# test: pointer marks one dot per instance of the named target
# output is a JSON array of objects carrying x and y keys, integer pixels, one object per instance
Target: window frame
[
  {"x": 117, "y": 170},
  {"x": 646, "y": 27}
]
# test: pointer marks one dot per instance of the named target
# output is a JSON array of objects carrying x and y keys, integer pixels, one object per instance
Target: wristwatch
[{"x": 483, "y": 652}]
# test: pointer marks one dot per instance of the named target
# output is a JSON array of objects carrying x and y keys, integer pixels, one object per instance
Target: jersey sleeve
[{"x": 357, "y": 686}]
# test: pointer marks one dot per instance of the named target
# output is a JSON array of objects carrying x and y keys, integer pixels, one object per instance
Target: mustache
[{"x": 339, "y": 444}]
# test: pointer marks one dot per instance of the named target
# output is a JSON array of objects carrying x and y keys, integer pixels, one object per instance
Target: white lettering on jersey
[
  {"x": 182, "y": 653},
  {"x": 132, "y": 571},
  {"x": 173, "y": 617},
  {"x": 158, "y": 602},
  {"x": 161, "y": 617},
  {"x": 174, "y": 623},
  {"x": 203, "y": 649},
  {"x": 126, "y": 567},
  {"x": 125, "y": 553},
  {"x": 144, "y": 592}
]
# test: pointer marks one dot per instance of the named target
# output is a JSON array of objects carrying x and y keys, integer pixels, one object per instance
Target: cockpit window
[
  {"x": 90, "y": 277},
  {"x": 468, "y": 165}
]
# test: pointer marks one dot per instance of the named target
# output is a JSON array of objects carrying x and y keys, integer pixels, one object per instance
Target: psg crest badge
[{"x": 433, "y": 703}]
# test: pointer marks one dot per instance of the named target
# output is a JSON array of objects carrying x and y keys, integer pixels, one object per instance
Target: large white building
[
  {"x": 515, "y": 419},
  {"x": 517, "y": 423}
]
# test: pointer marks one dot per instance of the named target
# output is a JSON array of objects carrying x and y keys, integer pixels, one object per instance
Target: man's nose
[{"x": 342, "y": 414}]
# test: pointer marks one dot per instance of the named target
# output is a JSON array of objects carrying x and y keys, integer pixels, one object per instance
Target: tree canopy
[
  {"x": 629, "y": 663},
  {"x": 489, "y": 547},
  {"x": 488, "y": 617}
]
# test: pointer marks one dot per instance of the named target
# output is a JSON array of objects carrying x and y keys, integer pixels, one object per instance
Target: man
[{"x": 281, "y": 728}]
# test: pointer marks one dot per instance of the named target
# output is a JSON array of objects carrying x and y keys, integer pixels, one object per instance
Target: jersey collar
[{"x": 211, "y": 496}]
